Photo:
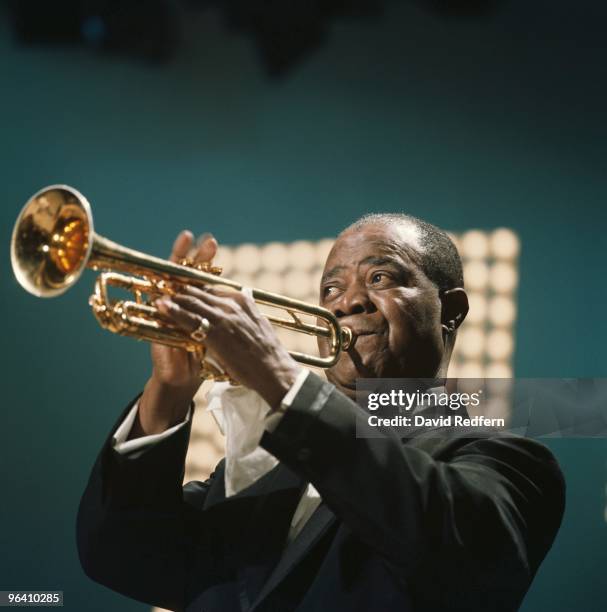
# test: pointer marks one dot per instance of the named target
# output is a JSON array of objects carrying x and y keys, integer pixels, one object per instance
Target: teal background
[{"x": 478, "y": 123}]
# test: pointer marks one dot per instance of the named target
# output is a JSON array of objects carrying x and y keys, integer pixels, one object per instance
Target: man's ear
[{"x": 454, "y": 308}]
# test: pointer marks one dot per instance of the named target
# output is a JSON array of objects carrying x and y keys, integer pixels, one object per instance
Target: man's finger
[
  {"x": 183, "y": 317},
  {"x": 201, "y": 307},
  {"x": 209, "y": 294},
  {"x": 205, "y": 249},
  {"x": 219, "y": 297},
  {"x": 181, "y": 246}
]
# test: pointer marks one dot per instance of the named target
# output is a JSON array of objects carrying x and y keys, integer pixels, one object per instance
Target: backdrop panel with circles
[{"x": 485, "y": 342}]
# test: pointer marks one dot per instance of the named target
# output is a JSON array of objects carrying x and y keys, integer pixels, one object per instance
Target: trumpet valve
[{"x": 203, "y": 266}]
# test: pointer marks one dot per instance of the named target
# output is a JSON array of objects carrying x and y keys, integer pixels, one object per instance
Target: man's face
[{"x": 373, "y": 283}]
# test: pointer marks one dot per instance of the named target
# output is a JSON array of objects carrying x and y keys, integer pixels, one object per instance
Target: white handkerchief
[{"x": 240, "y": 414}]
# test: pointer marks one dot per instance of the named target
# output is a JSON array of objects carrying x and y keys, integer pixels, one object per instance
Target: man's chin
[{"x": 347, "y": 377}]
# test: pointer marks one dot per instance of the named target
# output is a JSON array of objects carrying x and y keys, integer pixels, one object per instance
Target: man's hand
[
  {"x": 176, "y": 372},
  {"x": 176, "y": 367},
  {"x": 240, "y": 338}
]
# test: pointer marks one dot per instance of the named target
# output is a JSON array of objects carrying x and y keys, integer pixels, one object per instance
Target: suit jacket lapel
[
  {"x": 317, "y": 525},
  {"x": 256, "y": 523},
  {"x": 268, "y": 530}
]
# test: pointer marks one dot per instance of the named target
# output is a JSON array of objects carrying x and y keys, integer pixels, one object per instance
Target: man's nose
[{"x": 354, "y": 300}]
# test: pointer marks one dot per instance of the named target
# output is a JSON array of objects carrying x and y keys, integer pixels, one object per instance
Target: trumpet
[{"x": 53, "y": 241}]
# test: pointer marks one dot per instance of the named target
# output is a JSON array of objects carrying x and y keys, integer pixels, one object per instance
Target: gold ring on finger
[{"x": 200, "y": 333}]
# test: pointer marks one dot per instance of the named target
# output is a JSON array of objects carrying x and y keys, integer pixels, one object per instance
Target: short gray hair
[{"x": 441, "y": 262}]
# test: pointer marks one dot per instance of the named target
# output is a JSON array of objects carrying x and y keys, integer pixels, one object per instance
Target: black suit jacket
[{"x": 422, "y": 524}]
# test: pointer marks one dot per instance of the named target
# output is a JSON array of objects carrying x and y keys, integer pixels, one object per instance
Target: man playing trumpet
[{"x": 325, "y": 519}]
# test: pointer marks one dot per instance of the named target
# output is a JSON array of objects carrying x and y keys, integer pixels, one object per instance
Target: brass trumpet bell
[{"x": 53, "y": 242}]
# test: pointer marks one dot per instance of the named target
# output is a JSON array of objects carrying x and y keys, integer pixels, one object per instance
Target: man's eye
[
  {"x": 378, "y": 277},
  {"x": 329, "y": 291}
]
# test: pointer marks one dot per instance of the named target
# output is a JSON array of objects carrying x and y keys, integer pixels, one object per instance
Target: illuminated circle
[
  {"x": 503, "y": 277},
  {"x": 323, "y": 248},
  {"x": 246, "y": 258},
  {"x": 305, "y": 344},
  {"x": 269, "y": 281},
  {"x": 274, "y": 256},
  {"x": 501, "y": 311},
  {"x": 472, "y": 341},
  {"x": 302, "y": 255},
  {"x": 246, "y": 280},
  {"x": 224, "y": 259},
  {"x": 286, "y": 337},
  {"x": 469, "y": 369},
  {"x": 453, "y": 371},
  {"x": 298, "y": 284},
  {"x": 504, "y": 244},
  {"x": 315, "y": 277},
  {"x": 498, "y": 369},
  {"x": 499, "y": 344},
  {"x": 476, "y": 275},
  {"x": 474, "y": 245},
  {"x": 311, "y": 298},
  {"x": 478, "y": 308}
]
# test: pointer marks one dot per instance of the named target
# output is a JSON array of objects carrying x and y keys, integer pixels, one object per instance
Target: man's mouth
[
  {"x": 368, "y": 332},
  {"x": 364, "y": 332},
  {"x": 356, "y": 335}
]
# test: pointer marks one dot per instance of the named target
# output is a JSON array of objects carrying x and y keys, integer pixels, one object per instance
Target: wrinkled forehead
[{"x": 403, "y": 240}]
